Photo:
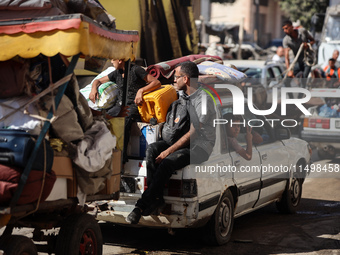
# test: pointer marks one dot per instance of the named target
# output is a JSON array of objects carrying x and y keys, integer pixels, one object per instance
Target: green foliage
[{"x": 303, "y": 10}]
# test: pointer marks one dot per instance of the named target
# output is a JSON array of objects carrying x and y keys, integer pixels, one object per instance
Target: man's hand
[
  {"x": 305, "y": 45},
  {"x": 290, "y": 73},
  {"x": 249, "y": 136},
  {"x": 124, "y": 111},
  {"x": 93, "y": 95},
  {"x": 162, "y": 156},
  {"x": 139, "y": 97}
]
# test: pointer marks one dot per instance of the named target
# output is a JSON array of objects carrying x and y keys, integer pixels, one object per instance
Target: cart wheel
[
  {"x": 79, "y": 234},
  {"x": 19, "y": 245}
]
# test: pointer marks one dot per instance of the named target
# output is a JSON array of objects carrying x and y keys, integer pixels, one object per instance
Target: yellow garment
[
  {"x": 56, "y": 144},
  {"x": 117, "y": 125}
]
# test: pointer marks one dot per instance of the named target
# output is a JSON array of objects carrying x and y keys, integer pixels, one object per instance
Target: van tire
[
  {"x": 220, "y": 226},
  {"x": 291, "y": 197},
  {"x": 327, "y": 152}
]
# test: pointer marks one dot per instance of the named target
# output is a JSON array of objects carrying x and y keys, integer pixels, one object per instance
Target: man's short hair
[
  {"x": 190, "y": 69},
  {"x": 332, "y": 60},
  {"x": 287, "y": 22}
]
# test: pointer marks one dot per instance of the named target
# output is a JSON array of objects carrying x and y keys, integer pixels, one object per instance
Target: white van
[
  {"x": 224, "y": 187},
  {"x": 322, "y": 128}
]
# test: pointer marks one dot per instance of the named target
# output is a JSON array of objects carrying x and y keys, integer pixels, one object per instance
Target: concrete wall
[{"x": 270, "y": 18}]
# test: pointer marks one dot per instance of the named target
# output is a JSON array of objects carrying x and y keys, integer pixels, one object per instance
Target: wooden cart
[{"x": 73, "y": 36}]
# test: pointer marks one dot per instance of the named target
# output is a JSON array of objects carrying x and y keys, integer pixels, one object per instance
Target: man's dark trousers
[{"x": 159, "y": 174}]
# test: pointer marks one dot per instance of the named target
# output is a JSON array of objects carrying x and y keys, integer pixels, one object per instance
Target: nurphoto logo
[{"x": 239, "y": 102}]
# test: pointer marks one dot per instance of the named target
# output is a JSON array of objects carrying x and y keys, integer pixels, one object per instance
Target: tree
[
  {"x": 303, "y": 10},
  {"x": 223, "y": 1}
]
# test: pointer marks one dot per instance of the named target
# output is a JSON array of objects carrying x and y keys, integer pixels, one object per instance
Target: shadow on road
[{"x": 314, "y": 228}]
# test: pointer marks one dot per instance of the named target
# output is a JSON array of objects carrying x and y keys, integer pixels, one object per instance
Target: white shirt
[{"x": 277, "y": 58}]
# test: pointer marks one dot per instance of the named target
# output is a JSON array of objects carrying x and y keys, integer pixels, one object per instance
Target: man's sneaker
[
  {"x": 155, "y": 209},
  {"x": 134, "y": 216}
]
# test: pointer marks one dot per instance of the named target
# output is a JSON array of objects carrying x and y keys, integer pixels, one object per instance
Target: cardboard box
[
  {"x": 59, "y": 190},
  {"x": 142, "y": 134},
  {"x": 62, "y": 166},
  {"x": 112, "y": 184}
]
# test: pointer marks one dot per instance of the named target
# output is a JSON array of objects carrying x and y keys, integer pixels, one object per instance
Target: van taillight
[
  {"x": 316, "y": 123},
  {"x": 178, "y": 188},
  {"x": 181, "y": 188}
]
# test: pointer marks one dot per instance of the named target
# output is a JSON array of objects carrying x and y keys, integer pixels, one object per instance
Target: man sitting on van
[
  {"x": 138, "y": 83},
  {"x": 188, "y": 137}
]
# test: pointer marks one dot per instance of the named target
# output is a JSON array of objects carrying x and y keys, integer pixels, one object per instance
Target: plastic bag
[{"x": 108, "y": 92}]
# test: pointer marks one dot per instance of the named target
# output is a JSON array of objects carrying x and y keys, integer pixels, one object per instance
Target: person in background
[
  {"x": 335, "y": 56},
  {"x": 279, "y": 56},
  {"x": 332, "y": 74},
  {"x": 193, "y": 144},
  {"x": 233, "y": 130},
  {"x": 139, "y": 82},
  {"x": 292, "y": 41}
]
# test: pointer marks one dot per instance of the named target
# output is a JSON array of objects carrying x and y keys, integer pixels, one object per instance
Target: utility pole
[
  {"x": 240, "y": 39},
  {"x": 205, "y": 13},
  {"x": 257, "y": 17}
]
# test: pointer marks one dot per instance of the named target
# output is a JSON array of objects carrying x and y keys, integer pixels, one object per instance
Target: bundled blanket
[
  {"x": 10, "y": 177},
  {"x": 166, "y": 68}
]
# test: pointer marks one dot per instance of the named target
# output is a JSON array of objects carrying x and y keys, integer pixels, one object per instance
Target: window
[
  {"x": 260, "y": 125},
  {"x": 333, "y": 28},
  {"x": 277, "y": 73}
]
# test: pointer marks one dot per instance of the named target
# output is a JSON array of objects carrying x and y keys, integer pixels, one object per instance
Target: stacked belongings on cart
[
  {"x": 77, "y": 149},
  {"x": 69, "y": 161}
]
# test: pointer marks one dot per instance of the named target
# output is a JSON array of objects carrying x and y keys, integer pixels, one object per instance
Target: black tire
[
  {"x": 79, "y": 234},
  {"x": 291, "y": 197},
  {"x": 327, "y": 152},
  {"x": 19, "y": 245},
  {"x": 220, "y": 226}
]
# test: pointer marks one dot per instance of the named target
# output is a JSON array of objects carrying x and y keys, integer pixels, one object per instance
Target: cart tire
[
  {"x": 79, "y": 234},
  {"x": 19, "y": 245}
]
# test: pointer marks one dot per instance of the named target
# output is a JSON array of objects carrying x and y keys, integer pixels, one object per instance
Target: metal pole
[
  {"x": 257, "y": 16},
  {"x": 240, "y": 39}
]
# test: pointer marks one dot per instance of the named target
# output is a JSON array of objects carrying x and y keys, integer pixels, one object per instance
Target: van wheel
[
  {"x": 79, "y": 234},
  {"x": 19, "y": 245},
  {"x": 291, "y": 197},
  {"x": 327, "y": 152},
  {"x": 221, "y": 224}
]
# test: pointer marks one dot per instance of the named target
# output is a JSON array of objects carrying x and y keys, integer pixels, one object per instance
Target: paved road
[{"x": 313, "y": 230}]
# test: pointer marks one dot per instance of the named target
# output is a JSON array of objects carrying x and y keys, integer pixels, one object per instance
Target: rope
[
  {"x": 42, "y": 186},
  {"x": 309, "y": 54}
]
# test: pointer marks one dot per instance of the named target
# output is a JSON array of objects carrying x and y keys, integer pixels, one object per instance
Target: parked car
[
  {"x": 274, "y": 43},
  {"x": 260, "y": 72},
  {"x": 226, "y": 186},
  {"x": 322, "y": 128},
  {"x": 249, "y": 50}
]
